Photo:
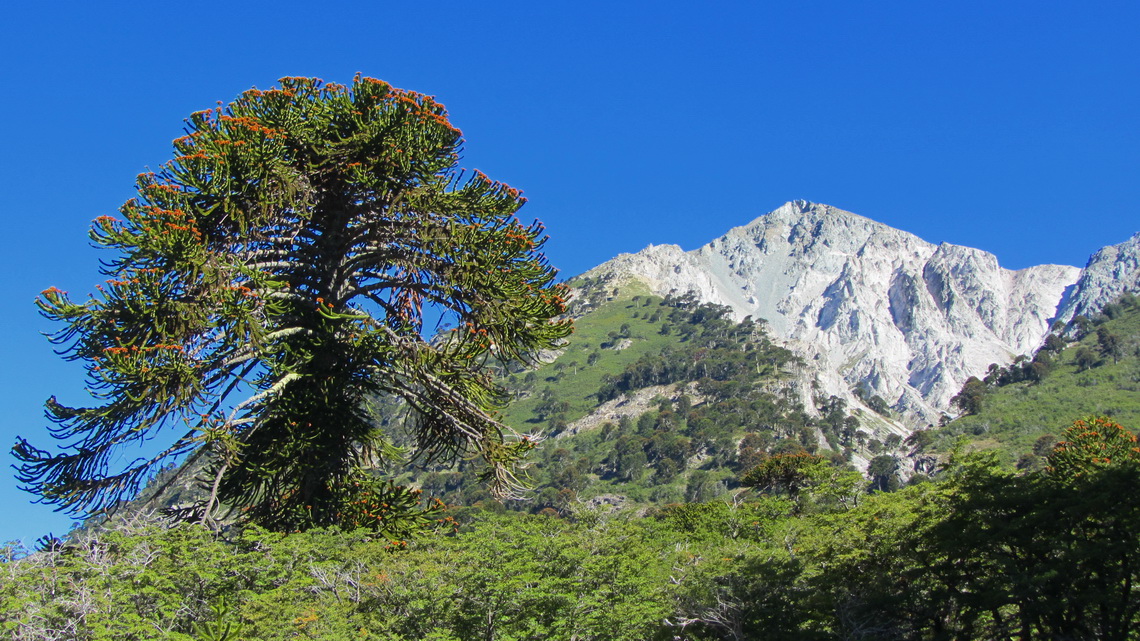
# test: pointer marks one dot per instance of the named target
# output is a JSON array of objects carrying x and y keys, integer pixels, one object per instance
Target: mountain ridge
[
  {"x": 877, "y": 308},
  {"x": 1111, "y": 271}
]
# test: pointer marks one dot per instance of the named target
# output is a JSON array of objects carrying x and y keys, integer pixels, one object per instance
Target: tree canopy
[
  {"x": 977, "y": 552},
  {"x": 300, "y": 255}
]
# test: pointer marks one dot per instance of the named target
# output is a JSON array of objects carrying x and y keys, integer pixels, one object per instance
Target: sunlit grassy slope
[
  {"x": 617, "y": 333},
  {"x": 1015, "y": 416}
]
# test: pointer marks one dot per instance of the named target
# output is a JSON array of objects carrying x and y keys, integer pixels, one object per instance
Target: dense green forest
[{"x": 981, "y": 553}]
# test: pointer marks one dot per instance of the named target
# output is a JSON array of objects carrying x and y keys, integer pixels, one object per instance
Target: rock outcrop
[
  {"x": 872, "y": 307},
  {"x": 1110, "y": 272}
]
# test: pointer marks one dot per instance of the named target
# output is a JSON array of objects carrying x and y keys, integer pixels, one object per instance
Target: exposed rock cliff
[
  {"x": 868, "y": 305},
  {"x": 1109, "y": 273}
]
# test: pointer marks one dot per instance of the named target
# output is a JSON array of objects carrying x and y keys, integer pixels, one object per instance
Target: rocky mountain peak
[
  {"x": 868, "y": 305},
  {"x": 1110, "y": 272}
]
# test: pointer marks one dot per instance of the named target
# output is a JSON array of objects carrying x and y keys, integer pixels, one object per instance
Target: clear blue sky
[{"x": 1007, "y": 126}]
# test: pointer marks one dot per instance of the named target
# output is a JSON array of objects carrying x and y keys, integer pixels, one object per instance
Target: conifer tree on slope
[{"x": 280, "y": 271}]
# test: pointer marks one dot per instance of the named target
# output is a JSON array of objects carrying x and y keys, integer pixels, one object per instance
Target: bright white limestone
[
  {"x": 1110, "y": 272},
  {"x": 866, "y": 304}
]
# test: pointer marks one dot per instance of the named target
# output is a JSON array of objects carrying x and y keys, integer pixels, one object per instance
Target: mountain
[{"x": 871, "y": 307}]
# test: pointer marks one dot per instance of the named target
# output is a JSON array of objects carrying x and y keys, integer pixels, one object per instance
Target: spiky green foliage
[
  {"x": 282, "y": 269},
  {"x": 784, "y": 473},
  {"x": 1092, "y": 445}
]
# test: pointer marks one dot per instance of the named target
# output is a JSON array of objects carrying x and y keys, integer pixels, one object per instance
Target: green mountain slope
[
  {"x": 656, "y": 400},
  {"x": 1024, "y": 407}
]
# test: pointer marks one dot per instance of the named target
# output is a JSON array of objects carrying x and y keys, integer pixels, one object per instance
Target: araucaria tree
[{"x": 291, "y": 263}]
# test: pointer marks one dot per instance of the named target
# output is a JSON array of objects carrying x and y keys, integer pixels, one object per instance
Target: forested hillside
[
  {"x": 680, "y": 491},
  {"x": 658, "y": 400},
  {"x": 1091, "y": 366},
  {"x": 982, "y": 553}
]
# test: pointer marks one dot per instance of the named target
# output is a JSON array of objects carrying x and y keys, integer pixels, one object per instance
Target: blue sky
[{"x": 1011, "y": 127}]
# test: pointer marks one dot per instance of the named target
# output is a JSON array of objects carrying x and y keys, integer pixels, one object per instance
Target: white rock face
[
  {"x": 863, "y": 303},
  {"x": 1109, "y": 273}
]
